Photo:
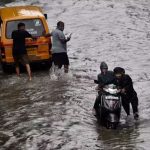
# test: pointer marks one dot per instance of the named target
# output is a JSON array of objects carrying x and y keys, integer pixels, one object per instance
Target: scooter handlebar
[{"x": 96, "y": 81}]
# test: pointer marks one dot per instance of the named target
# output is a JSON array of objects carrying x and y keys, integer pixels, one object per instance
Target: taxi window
[{"x": 33, "y": 26}]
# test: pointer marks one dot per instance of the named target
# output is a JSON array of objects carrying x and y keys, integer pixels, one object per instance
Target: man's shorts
[
  {"x": 23, "y": 59},
  {"x": 60, "y": 59}
]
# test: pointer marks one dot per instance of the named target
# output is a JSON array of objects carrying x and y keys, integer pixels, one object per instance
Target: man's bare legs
[
  {"x": 66, "y": 68},
  {"x": 29, "y": 71},
  {"x": 17, "y": 71}
]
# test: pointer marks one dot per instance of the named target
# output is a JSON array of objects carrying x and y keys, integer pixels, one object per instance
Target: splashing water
[
  {"x": 58, "y": 74},
  {"x": 53, "y": 72}
]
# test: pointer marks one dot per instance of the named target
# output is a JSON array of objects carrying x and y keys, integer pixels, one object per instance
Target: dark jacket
[
  {"x": 105, "y": 79},
  {"x": 126, "y": 83}
]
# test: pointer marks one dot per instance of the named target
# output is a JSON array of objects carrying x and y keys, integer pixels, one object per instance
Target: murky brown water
[{"x": 48, "y": 114}]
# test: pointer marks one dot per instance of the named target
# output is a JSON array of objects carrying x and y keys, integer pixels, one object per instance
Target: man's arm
[
  {"x": 62, "y": 38},
  {"x": 128, "y": 85},
  {"x": 28, "y": 35},
  {"x": 12, "y": 35},
  {"x": 47, "y": 34}
]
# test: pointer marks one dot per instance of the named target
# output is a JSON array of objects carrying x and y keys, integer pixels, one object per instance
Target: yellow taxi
[{"x": 38, "y": 50}]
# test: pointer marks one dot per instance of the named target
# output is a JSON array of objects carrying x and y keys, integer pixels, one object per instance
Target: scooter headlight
[{"x": 111, "y": 91}]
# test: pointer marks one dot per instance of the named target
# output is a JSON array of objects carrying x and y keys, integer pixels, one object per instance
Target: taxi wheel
[
  {"x": 49, "y": 64},
  {"x": 7, "y": 69}
]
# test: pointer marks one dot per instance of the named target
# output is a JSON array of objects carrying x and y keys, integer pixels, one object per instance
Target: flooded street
[{"x": 56, "y": 114}]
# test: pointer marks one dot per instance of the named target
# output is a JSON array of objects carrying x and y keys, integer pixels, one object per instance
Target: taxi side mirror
[
  {"x": 1, "y": 20},
  {"x": 45, "y": 16}
]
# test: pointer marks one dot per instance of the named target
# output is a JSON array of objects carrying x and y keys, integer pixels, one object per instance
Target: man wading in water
[
  {"x": 59, "y": 47},
  {"x": 19, "y": 48}
]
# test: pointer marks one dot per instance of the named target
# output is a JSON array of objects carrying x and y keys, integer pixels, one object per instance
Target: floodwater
[{"x": 52, "y": 114}]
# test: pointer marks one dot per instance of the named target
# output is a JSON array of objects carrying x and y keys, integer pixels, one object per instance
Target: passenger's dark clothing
[
  {"x": 103, "y": 79},
  {"x": 130, "y": 95},
  {"x": 18, "y": 37}
]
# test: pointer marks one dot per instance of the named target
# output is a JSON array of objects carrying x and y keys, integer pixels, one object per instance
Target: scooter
[{"x": 109, "y": 106}]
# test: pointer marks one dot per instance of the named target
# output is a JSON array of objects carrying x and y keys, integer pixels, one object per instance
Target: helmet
[
  {"x": 119, "y": 70},
  {"x": 103, "y": 65}
]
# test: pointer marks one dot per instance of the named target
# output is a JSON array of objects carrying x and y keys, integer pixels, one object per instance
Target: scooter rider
[
  {"x": 104, "y": 78},
  {"x": 128, "y": 93}
]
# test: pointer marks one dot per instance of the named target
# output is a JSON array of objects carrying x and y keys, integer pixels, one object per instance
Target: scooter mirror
[
  {"x": 45, "y": 15},
  {"x": 96, "y": 81}
]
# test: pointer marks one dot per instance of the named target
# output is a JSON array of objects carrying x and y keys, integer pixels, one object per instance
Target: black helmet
[
  {"x": 119, "y": 70},
  {"x": 103, "y": 65}
]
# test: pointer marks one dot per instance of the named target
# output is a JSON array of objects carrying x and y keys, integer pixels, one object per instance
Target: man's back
[
  {"x": 58, "y": 44},
  {"x": 18, "y": 37},
  {"x": 127, "y": 83}
]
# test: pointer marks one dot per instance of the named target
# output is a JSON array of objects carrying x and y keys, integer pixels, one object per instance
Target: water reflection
[
  {"x": 123, "y": 138},
  {"x": 2, "y": 2},
  {"x": 36, "y": 108}
]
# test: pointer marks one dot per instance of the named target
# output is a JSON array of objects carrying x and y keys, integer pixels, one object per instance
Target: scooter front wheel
[{"x": 110, "y": 125}]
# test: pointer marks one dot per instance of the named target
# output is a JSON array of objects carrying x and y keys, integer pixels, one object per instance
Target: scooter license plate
[{"x": 112, "y": 97}]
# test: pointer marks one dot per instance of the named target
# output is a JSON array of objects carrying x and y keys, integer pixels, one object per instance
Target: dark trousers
[
  {"x": 60, "y": 59},
  {"x": 126, "y": 100}
]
